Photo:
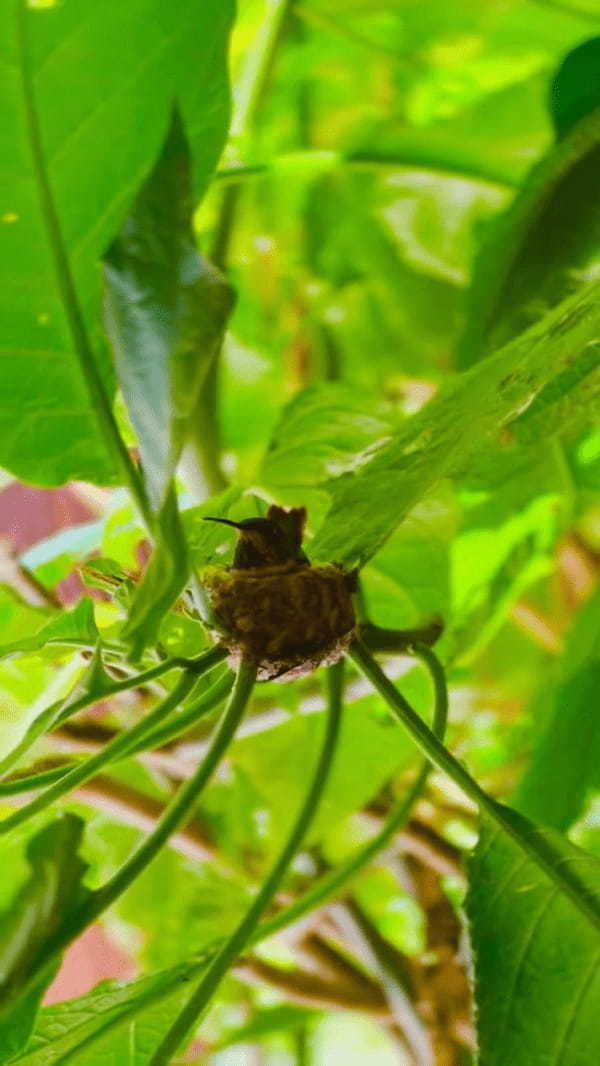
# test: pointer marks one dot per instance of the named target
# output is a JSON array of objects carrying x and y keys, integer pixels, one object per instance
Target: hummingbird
[{"x": 268, "y": 541}]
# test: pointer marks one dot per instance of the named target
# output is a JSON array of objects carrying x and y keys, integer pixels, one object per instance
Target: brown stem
[
  {"x": 313, "y": 991},
  {"x": 378, "y": 638}
]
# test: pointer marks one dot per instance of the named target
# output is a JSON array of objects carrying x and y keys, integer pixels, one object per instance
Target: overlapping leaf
[
  {"x": 565, "y": 767},
  {"x": 537, "y": 959},
  {"x": 27, "y": 932},
  {"x": 546, "y": 245},
  {"x": 492, "y": 404},
  {"x": 76, "y": 78}
]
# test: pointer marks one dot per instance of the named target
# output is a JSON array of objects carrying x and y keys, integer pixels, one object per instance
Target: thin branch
[
  {"x": 217, "y": 969},
  {"x": 531, "y": 841},
  {"x": 310, "y": 990}
]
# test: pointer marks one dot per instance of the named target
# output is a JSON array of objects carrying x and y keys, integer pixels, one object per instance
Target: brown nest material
[{"x": 287, "y": 618}]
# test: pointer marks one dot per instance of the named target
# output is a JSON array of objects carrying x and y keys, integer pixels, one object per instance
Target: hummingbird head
[{"x": 268, "y": 541}]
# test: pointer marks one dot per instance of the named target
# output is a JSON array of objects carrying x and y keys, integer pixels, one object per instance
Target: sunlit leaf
[
  {"x": 565, "y": 767},
  {"x": 76, "y": 627},
  {"x": 537, "y": 959},
  {"x": 543, "y": 248},
  {"x": 71, "y": 89},
  {"x": 39, "y": 915},
  {"x": 482, "y": 407},
  {"x": 166, "y": 309}
]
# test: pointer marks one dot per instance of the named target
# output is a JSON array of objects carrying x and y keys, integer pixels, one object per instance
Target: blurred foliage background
[{"x": 373, "y": 212}]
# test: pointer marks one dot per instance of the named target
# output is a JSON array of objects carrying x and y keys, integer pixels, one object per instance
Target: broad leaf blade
[
  {"x": 326, "y": 431},
  {"x": 565, "y": 766},
  {"x": 166, "y": 310},
  {"x": 537, "y": 959},
  {"x": 96, "y": 1030},
  {"x": 492, "y": 405},
  {"x": 39, "y": 914},
  {"x": 575, "y": 90},
  {"x": 88, "y": 94},
  {"x": 544, "y": 246}
]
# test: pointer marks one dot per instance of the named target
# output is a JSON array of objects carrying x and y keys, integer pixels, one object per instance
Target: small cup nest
[{"x": 288, "y": 618}]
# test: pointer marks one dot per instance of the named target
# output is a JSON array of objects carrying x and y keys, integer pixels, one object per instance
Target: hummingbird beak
[{"x": 223, "y": 521}]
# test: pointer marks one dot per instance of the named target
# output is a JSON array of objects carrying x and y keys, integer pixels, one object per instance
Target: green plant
[{"x": 393, "y": 338}]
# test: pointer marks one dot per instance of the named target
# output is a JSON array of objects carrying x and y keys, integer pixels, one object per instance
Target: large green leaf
[
  {"x": 40, "y": 912},
  {"x": 545, "y": 377},
  {"x": 325, "y": 431},
  {"x": 114, "y": 1023},
  {"x": 76, "y": 78},
  {"x": 575, "y": 90},
  {"x": 537, "y": 958},
  {"x": 543, "y": 247},
  {"x": 565, "y": 766},
  {"x": 166, "y": 309}
]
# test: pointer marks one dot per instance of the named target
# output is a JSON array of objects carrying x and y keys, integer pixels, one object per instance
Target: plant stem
[
  {"x": 201, "y": 466},
  {"x": 161, "y": 734},
  {"x": 253, "y": 81},
  {"x": 58, "y": 713},
  {"x": 526, "y": 835},
  {"x": 179, "y": 723},
  {"x": 81, "y": 343},
  {"x": 279, "y": 166},
  {"x": 112, "y": 751},
  {"x": 376, "y": 638},
  {"x": 332, "y": 882},
  {"x": 121, "y": 745},
  {"x": 238, "y": 940},
  {"x": 181, "y": 805}
]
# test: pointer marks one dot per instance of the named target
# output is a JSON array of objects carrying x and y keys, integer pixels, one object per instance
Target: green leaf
[
  {"x": 166, "y": 310},
  {"x": 537, "y": 958},
  {"x": 93, "y": 684},
  {"x": 18, "y": 619},
  {"x": 543, "y": 248},
  {"x": 205, "y": 538},
  {"x": 326, "y": 431},
  {"x": 76, "y": 627},
  {"x": 97, "y": 1029},
  {"x": 76, "y": 78},
  {"x": 38, "y": 915},
  {"x": 275, "y": 764},
  {"x": 486, "y": 406},
  {"x": 163, "y": 581},
  {"x": 565, "y": 766},
  {"x": 575, "y": 90}
]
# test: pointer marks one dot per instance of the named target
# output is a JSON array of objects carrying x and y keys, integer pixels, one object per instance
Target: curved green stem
[
  {"x": 176, "y": 724},
  {"x": 120, "y": 746},
  {"x": 179, "y": 722},
  {"x": 180, "y": 806},
  {"x": 376, "y": 638},
  {"x": 330, "y": 884},
  {"x": 526, "y": 835},
  {"x": 30, "y": 782},
  {"x": 61, "y": 711},
  {"x": 238, "y": 940},
  {"x": 172, "y": 818}
]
